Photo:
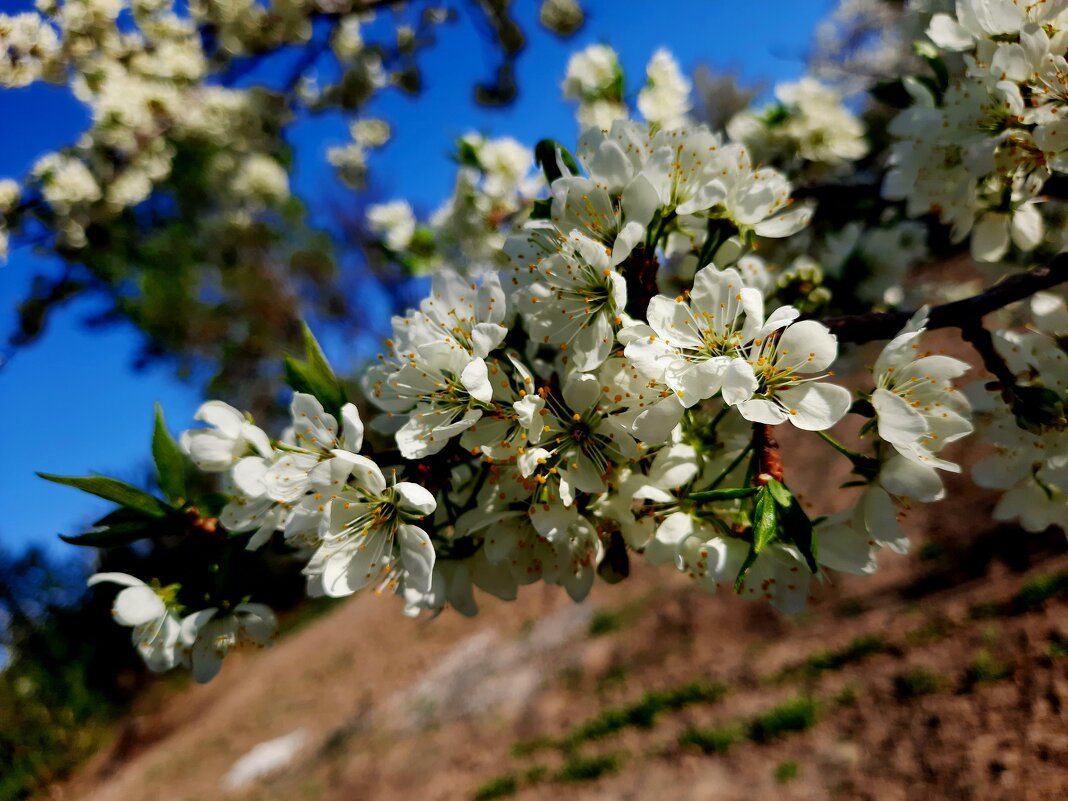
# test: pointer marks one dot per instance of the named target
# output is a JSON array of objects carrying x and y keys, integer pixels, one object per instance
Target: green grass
[
  {"x": 614, "y": 676},
  {"x": 712, "y": 741},
  {"x": 786, "y": 771},
  {"x": 536, "y": 774},
  {"x": 500, "y": 787},
  {"x": 641, "y": 714},
  {"x": 929, "y": 632},
  {"x": 1058, "y": 646},
  {"x": 525, "y": 748},
  {"x": 1031, "y": 598},
  {"x": 986, "y": 670},
  {"x": 847, "y": 696},
  {"x": 644, "y": 712},
  {"x": 917, "y": 682},
  {"x": 1034, "y": 594},
  {"x": 857, "y": 650},
  {"x": 604, "y": 622},
  {"x": 797, "y": 714},
  {"x": 587, "y": 769}
]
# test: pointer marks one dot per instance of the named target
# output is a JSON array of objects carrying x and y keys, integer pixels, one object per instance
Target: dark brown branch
[
  {"x": 980, "y": 339},
  {"x": 861, "y": 328},
  {"x": 639, "y": 270},
  {"x": 768, "y": 456}
]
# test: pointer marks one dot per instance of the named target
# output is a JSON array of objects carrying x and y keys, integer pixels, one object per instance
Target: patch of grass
[
  {"x": 711, "y": 741},
  {"x": 986, "y": 670},
  {"x": 643, "y": 713},
  {"x": 587, "y": 769},
  {"x": 991, "y": 634},
  {"x": 500, "y": 787},
  {"x": 525, "y": 748},
  {"x": 786, "y": 771},
  {"x": 917, "y": 682},
  {"x": 859, "y": 649},
  {"x": 1034, "y": 594},
  {"x": 1058, "y": 646},
  {"x": 536, "y": 774},
  {"x": 797, "y": 714},
  {"x": 847, "y": 696},
  {"x": 1031, "y": 598},
  {"x": 932, "y": 631},
  {"x": 615, "y": 675},
  {"x": 604, "y": 622}
]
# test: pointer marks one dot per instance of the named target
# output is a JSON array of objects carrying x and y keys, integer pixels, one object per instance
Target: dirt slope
[{"x": 396, "y": 709}]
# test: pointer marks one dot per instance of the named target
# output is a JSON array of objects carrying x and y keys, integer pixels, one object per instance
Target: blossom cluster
[
  {"x": 550, "y": 416},
  {"x": 978, "y": 143},
  {"x": 607, "y": 345}
]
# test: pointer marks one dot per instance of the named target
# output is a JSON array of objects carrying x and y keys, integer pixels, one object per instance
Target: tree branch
[{"x": 861, "y": 328}]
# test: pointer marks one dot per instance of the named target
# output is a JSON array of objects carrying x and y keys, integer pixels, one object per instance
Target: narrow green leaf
[
  {"x": 766, "y": 519},
  {"x": 798, "y": 529},
  {"x": 723, "y": 494},
  {"x": 765, "y": 529},
  {"x": 123, "y": 516},
  {"x": 929, "y": 53},
  {"x": 169, "y": 459},
  {"x": 314, "y": 375},
  {"x": 780, "y": 493},
  {"x": 467, "y": 156},
  {"x": 542, "y": 209},
  {"x": 113, "y": 490},
  {"x": 545, "y": 154},
  {"x": 315, "y": 356},
  {"x": 111, "y": 537}
]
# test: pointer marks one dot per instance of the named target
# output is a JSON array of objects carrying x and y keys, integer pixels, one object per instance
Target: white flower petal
[{"x": 417, "y": 556}]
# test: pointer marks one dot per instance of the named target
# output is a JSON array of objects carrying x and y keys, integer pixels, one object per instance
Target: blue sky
[{"x": 73, "y": 403}]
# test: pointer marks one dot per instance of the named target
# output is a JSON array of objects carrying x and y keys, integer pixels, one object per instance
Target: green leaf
[
  {"x": 111, "y": 537},
  {"x": 121, "y": 527},
  {"x": 169, "y": 459},
  {"x": 798, "y": 529},
  {"x": 114, "y": 490},
  {"x": 765, "y": 528},
  {"x": 542, "y": 209},
  {"x": 783, "y": 497},
  {"x": 467, "y": 156},
  {"x": 929, "y": 53},
  {"x": 723, "y": 494},
  {"x": 314, "y": 375},
  {"x": 545, "y": 155}
]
